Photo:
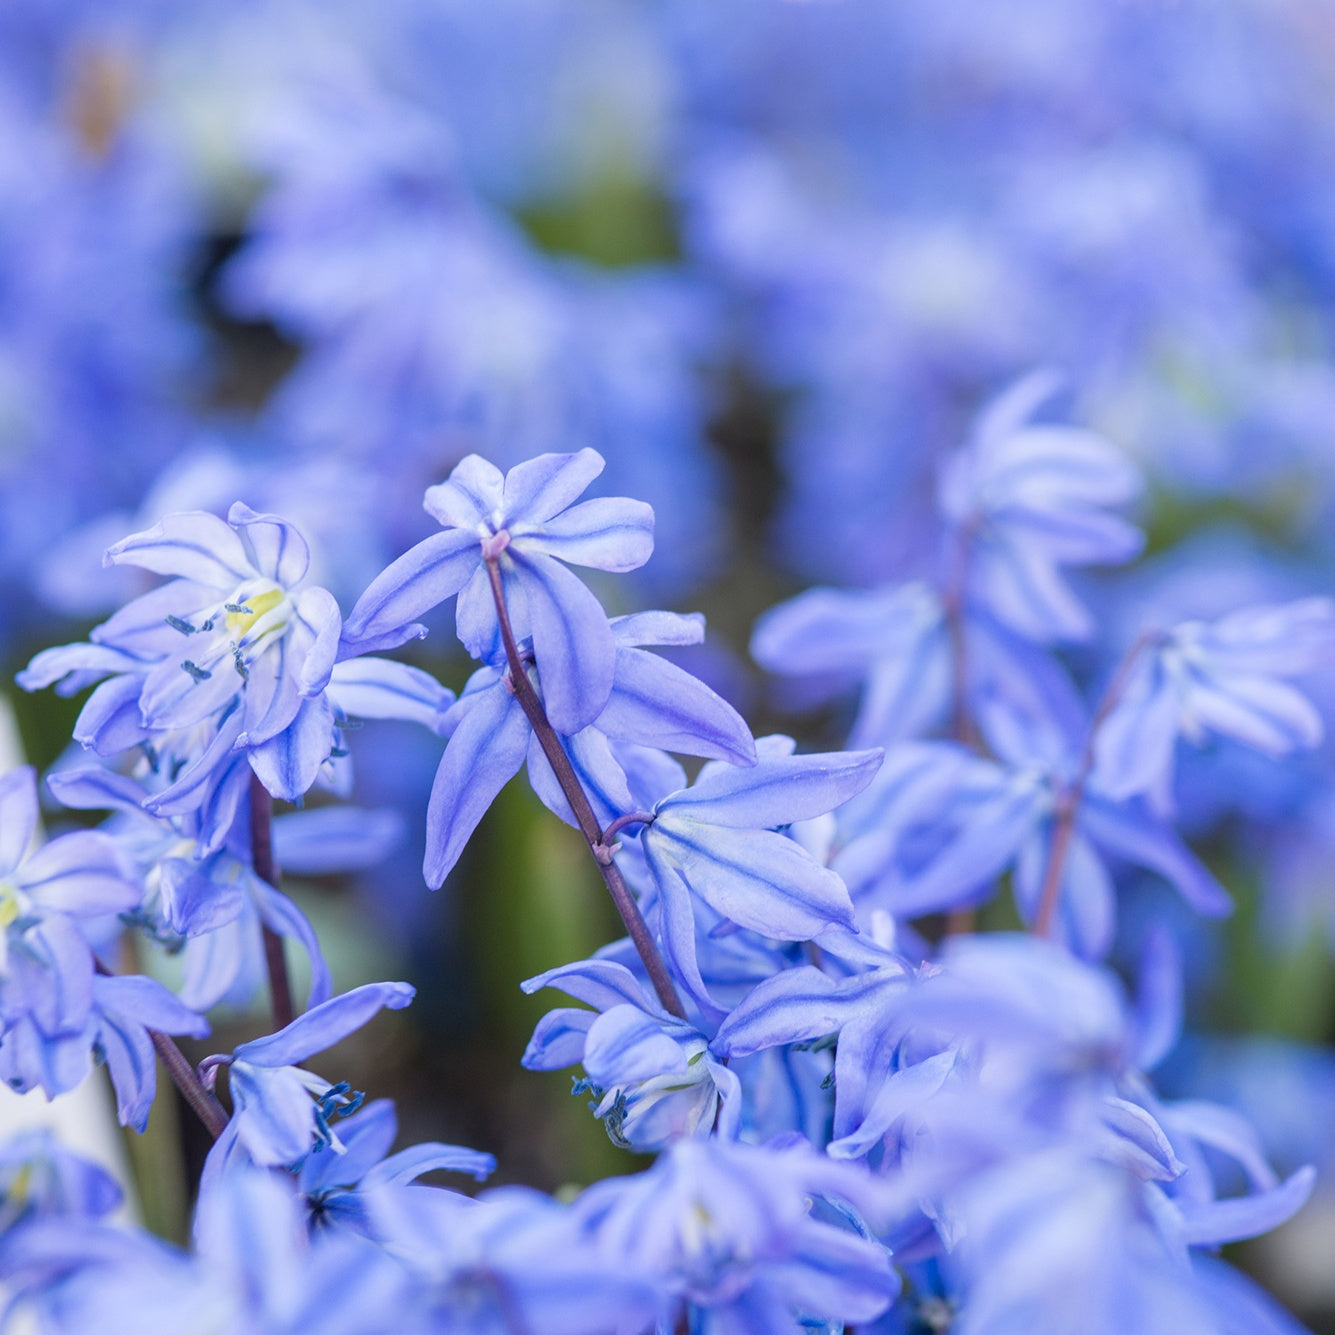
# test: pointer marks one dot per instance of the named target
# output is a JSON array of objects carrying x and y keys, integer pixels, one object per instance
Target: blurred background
[{"x": 769, "y": 258}]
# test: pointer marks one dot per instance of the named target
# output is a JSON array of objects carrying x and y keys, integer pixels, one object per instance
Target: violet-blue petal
[
  {"x": 379, "y": 688},
  {"x": 141, "y": 626},
  {"x": 422, "y": 578},
  {"x": 775, "y": 791},
  {"x": 319, "y": 610},
  {"x": 614, "y": 534},
  {"x": 92, "y": 788},
  {"x": 287, "y": 765},
  {"x": 83, "y": 873},
  {"x": 542, "y": 487},
  {"x": 757, "y": 879},
  {"x": 558, "y": 1039},
  {"x": 572, "y": 643},
  {"x": 472, "y": 493},
  {"x": 110, "y": 720},
  {"x": 324, "y": 1025},
  {"x": 18, "y": 816},
  {"x": 335, "y": 839},
  {"x": 1210, "y": 1224},
  {"x": 192, "y": 544},
  {"x": 275, "y": 548},
  {"x": 431, "y": 1157},
  {"x": 175, "y": 696},
  {"x": 278, "y": 913},
  {"x": 71, "y": 667},
  {"x": 626, "y": 1044},
  {"x": 272, "y": 695},
  {"x": 1145, "y": 842},
  {"x": 657, "y": 627},
  {"x": 484, "y": 753},
  {"x": 367, "y": 1137},
  {"x": 599, "y": 983},
  {"x": 656, "y": 703}
]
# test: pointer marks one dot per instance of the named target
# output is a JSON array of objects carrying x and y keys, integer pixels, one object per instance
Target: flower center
[{"x": 242, "y": 616}]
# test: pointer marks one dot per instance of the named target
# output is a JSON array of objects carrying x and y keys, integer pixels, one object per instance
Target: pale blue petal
[
  {"x": 656, "y": 703},
  {"x": 540, "y": 488},
  {"x": 599, "y": 983},
  {"x": 759, "y": 880},
  {"x": 626, "y": 1044},
  {"x": 319, "y": 610},
  {"x": 83, "y": 873},
  {"x": 484, "y": 753},
  {"x": 378, "y": 688},
  {"x": 558, "y": 1040},
  {"x": 75, "y": 666},
  {"x": 777, "y": 790},
  {"x": 469, "y": 497},
  {"x": 422, "y": 578},
  {"x": 275, "y": 548},
  {"x": 324, "y": 1025},
  {"x": 675, "y": 628},
  {"x": 110, "y": 720},
  {"x": 18, "y": 816},
  {"x": 613, "y": 534},
  {"x": 1210, "y": 1224},
  {"x": 194, "y": 545},
  {"x": 141, "y": 626},
  {"x": 89, "y": 789},
  {"x": 278, "y": 913},
  {"x": 335, "y": 839},
  {"x": 572, "y": 643},
  {"x": 1143, "y": 841},
  {"x": 430, "y": 1157},
  {"x": 287, "y": 765}
]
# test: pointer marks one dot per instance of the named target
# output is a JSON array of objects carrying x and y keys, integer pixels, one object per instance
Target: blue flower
[
  {"x": 716, "y": 842},
  {"x": 1227, "y": 678},
  {"x": 654, "y": 1078},
  {"x": 282, "y": 1112},
  {"x": 732, "y": 1236},
  {"x": 1026, "y": 501},
  {"x": 526, "y": 520}
]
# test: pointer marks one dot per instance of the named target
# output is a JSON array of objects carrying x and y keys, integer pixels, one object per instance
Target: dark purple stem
[
  {"x": 206, "y": 1107},
  {"x": 1068, "y": 802},
  {"x": 266, "y": 868},
  {"x": 636, "y": 927}
]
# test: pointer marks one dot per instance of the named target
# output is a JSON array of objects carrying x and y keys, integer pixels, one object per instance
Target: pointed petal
[
  {"x": 777, "y": 790},
  {"x": 194, "y": 545},
  {"x": 83, "y": 873},
  {"x": 471, "y": 494},
  {"x": 656, "y": 703},
  {"x": 319, "y": 610},
  {"x": 422, "y": 578},
  {"x": 614, "y": 534},
  {"x": 572, "y": 643},
  {"x": 324, "y": 1025},
  {"x": 18, "y": 816},
  {"x": 275, "y": 548},
  {"x": 378, "y": 688},
  {"x": 539, "y": 488},
  {"x": 485, "y": 752},
  {"x": 287, "y": 765}
]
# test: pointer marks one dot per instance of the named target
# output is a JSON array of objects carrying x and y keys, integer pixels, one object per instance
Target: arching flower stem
[{"x": 636, "y": 927}]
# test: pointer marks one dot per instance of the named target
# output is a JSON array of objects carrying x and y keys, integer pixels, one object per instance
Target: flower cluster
[{"x": 860, "y": 1119}]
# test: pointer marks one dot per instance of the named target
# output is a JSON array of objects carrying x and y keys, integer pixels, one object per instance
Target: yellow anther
[{"x": 239, "y": 623}]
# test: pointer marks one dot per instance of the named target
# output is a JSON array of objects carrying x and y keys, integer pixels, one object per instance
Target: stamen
[
  {"x": 239, "y": 663},
  {"x": 181, "y": 624},
  {"x": 195, "y": 671},
  {"x": 240, "y": 609}
]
